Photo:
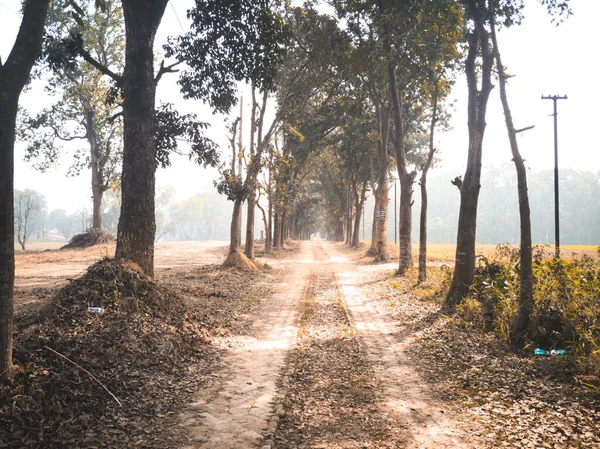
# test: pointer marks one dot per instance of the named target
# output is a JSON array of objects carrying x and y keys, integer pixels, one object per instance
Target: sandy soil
[
  {"x": 247, "y": 404},
  {"x": 37, "y": 273}
]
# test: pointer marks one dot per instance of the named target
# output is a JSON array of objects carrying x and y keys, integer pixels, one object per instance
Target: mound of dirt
[
  {"x": 238, "y": 259},
  {"x": 89, "y": 238},
  {"x": 84, "y": 378}
]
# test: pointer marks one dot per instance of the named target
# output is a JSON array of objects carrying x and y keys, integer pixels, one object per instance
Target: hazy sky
[{"x": 544, "y": 58}]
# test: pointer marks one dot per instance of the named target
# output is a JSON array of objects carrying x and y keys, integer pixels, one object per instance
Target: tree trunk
[
  {"x": 379, "y": 247},
  {"x": 406, "y": 179},
  {"x": 520, "y": 323},
  {"x": 348, "y": 217},
  {"x": 97, "y": 177},
  {"x": 360, "y": 200},
  {"x": 235, "y": 223},
  {"x": 13, "y": 76},
  {"x": 269, "y": 224},
  {"x": 464, "y": 267},
  {"x": 283, "y": 224},
  {"x": 423, "y": 217},
  {"x": 249, "y": 248},
  {"x": 276, "y": 229},
  {"x": 135, "y": 236}
]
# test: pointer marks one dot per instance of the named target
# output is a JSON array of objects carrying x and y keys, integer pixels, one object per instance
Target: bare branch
[
  {"x": 517, "y": 131},
  {"x": 166, "y": 69}
]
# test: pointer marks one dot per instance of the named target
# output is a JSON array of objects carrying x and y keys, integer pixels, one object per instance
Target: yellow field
[
  {"x": 445, "y": 252},
  {"x": 40, "y": 246}
]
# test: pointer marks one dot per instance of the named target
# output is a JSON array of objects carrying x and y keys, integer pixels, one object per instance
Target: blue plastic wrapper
[{"x": 539, "y": 351}]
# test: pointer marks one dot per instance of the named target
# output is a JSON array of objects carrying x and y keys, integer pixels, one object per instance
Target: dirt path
[
  {"x": 406, "y": 396},
  {"x": 337, "y": 377},
  {"x": 236, "y": 412}
]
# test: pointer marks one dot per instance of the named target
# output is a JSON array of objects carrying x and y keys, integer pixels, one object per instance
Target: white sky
[{"x": 546, "y": 59}]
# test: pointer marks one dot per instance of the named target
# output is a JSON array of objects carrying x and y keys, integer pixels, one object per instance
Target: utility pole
[{"x": 554, "y": 98}]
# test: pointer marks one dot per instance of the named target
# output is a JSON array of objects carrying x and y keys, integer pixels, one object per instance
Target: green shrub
[{"x": 566, "y": 301}]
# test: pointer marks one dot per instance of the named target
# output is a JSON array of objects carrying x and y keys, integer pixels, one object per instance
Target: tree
[
  {"x": 232, "y": 41},
  {"x": 480, "y": 55},
  {"x": 14, "y": 73},
  {"x": 137, "y": 86},
  {"x": 437, "y": 57},
  {"x": 521, "y": 321},
  {"x": 28, "y": 204},
  {"x": 478, "y": 67},
  {"x": 59, "y": 221},
  {"x": 84, "y": 111}
]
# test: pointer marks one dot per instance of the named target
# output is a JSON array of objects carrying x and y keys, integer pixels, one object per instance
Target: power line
[
  {"x": 176, "y": 16},
  {"x": 10, "y": 10}
]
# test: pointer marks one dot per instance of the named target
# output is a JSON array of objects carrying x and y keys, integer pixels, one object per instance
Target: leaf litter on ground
[
  {"x": 156, "y": 344},
  {"x": 516, "y": 400}
]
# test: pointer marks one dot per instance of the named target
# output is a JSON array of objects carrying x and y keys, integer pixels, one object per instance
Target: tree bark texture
[
  {"x": 520, "y": 323},
  {"x": 406, "y": 179},
  {"x": 135, "y": 236},
  {"x": 249, "y": 246},
  {"x": 235, "y": 223},
  {"x": 13, "y": 76},
  {"x": 359, "y": 201},
  {"x": 97, "y": 175},
  {"x": 464, "y": 268}
]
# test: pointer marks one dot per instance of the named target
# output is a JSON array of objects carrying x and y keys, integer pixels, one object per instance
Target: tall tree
[
  {"x": 83, "y": 111},
  {"x": 521, "y": 321},
  {"x": 478, "y": 67},
  {"x": 479, "y": 55},
  {"x": 436, "y": 57},
  {"x": 135, "y": 234},
  {"x": 14, "y": 73},
  {"x": 232, "y": 41}
]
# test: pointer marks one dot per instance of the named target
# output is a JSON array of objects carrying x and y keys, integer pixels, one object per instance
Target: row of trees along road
[
  {"x": 133, "y": 87},
  {"x": 349, "y": 104}
]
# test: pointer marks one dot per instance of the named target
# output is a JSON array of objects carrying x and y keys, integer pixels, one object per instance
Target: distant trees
[
  {"x": 88, "y": 108},
  {"x": 230, "y": 42},
  {"x": 30, "y": 206}
]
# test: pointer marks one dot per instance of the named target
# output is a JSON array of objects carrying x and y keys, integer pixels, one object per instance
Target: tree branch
[
  {"x": 68, "y": 139},
  {"x": 517, "y": 131},
  {"x": 166, "y": 69},
  {"x": 103, "y": 69}
]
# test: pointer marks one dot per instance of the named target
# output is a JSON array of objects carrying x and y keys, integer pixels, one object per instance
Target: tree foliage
[{"x": 229, "y": 41}]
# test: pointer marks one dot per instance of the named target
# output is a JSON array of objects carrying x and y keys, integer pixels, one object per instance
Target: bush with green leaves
[{"x": 566, "y": 301}]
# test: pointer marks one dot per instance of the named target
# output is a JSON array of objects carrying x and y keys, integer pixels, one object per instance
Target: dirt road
[{"x": 323, "y": 368}]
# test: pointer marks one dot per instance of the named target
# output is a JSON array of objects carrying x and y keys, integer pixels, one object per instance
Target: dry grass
[
  {"x": 445, "y": 252},
  {"x": 39, "y": 246}
]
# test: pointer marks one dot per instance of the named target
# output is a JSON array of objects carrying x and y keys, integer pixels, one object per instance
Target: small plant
[{"x": 566, "y": 311}]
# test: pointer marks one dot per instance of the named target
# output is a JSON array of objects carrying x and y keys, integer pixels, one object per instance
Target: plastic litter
[
  {"x": 539, "y": 351},
  {"x": 97, "y": 310}
]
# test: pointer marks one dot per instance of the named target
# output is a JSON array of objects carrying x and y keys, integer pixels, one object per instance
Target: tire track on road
[{"x": 236, "y": 411}]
